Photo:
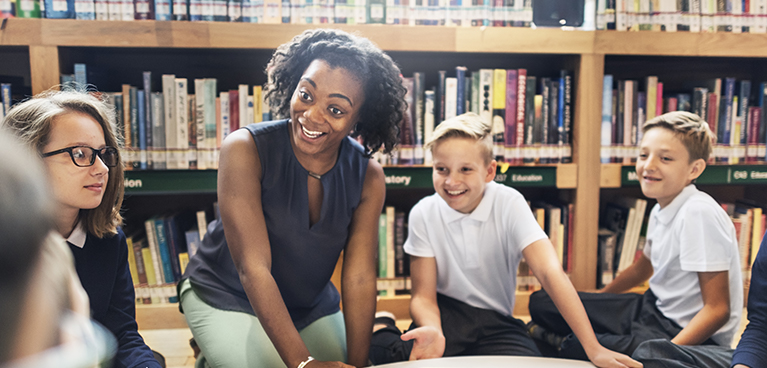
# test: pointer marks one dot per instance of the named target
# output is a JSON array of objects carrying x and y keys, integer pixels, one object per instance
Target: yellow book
[
  {"x": 151, "y": 278},
  {"x": 757, "y": 233},
  {"x": 183, "y": 260},
  {"x": 132, "y": 261},
  {"x": 257, "y": 113}
]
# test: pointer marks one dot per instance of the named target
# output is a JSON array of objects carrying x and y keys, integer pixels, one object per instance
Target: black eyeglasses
[{"x": 84, "y": 156}]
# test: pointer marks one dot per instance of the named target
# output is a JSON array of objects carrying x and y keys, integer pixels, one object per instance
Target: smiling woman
[{"x": 293, "y": 194}]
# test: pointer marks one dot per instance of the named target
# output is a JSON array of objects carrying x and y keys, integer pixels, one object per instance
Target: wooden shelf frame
[{"x": 588, "y": 49}]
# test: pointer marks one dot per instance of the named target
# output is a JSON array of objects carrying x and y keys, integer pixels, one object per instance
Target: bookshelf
[{"x": 39, "y": 50}]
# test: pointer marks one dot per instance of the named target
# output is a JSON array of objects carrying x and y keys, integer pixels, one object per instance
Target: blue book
[
  {"x": 162, "y": 244},
  {"x": 725, "y": 108},
  {"x": 59, "y": 9},
  {"x": 81, "y": 78},
  {"x": 175, "y": 244},
  {"x": 743, "y": 99},
  {"x": 163, "y": 10},
  {"x": 192, "y": 242},
  {"x": 460, "y": 75},
  {"x": 684, "y": 102},
  {"x": 5, "y": 97},
  {"x": 141, "y": 119}
]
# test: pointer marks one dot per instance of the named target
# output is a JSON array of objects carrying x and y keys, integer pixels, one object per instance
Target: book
[{"x": 498, "y": 126}]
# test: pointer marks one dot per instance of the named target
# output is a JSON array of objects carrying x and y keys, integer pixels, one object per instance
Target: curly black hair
[{"x": 384, "y": 104}]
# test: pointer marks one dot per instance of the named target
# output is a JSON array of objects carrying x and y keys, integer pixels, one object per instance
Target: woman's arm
[
  {"x": 715, "y": 290},
  {"x": 545, "y": 265},
  {"x": 639, "y": 272},
  {"x": 429, "y": 339},
  {"x": 358, "y": 280},
  {"x": 239, "y": 197}
]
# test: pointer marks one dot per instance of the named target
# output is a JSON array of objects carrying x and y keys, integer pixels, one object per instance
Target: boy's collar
[
  {"x": 481, "y": 213},
  {"x": 665, "y": 215}
]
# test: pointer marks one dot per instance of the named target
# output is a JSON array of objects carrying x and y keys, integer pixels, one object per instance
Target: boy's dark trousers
[
  {"x": 620, "y": 321},
  {"x": 468, "y": 331}
]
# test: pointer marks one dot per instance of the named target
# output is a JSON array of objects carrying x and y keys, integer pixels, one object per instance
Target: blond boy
[
  {"x": 465, "y": 243},
  {"x": 690, "y": 257}
]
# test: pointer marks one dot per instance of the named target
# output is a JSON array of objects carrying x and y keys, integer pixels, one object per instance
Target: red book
[
  {"x": 234, "y": 110},
  {"x": 659, "y": 101}
]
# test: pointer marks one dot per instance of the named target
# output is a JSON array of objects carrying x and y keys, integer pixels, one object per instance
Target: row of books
[
  {"x": 5, "y": 98},
  {"x": 749, "y": 220},
  {"x": 174, "y": 129},
  {"x": 488, "y": 13},
  {"x": 531, "y": 117},
  {"x": 622, "y": 231},
  {"x": 393, "y": 263},
  {"x": 733, "y": 110},
  {"x": 555, "y": 218},
  {"x": 157, "y": 256},
  {"x": 736, "y": 16}
]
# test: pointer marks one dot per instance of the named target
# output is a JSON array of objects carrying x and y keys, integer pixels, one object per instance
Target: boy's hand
[
  {"x": 605, "y": 358},
  {"x": 429, "y": 343}
]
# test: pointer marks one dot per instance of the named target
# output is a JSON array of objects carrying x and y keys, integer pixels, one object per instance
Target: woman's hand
[
  {"x": 605, "y": 358},
  {"x": 429, "y": 343}
]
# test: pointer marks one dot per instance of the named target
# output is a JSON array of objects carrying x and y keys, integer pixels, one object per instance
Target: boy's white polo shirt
[
  {"x": 477, "y": 254},
  {"x": 693, "y": 234}
]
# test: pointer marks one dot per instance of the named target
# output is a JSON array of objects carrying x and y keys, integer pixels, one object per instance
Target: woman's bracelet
[{"x": 305, "y": 362}]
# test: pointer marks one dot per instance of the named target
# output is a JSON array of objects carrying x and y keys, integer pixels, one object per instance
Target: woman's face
[
  {"x": 324, "y": 108},
  {"x": 76, "y": 187}
]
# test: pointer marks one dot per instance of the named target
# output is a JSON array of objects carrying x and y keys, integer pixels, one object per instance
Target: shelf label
[
  {"x": 170, "y": 181},
  {"x": 523, "y": 176},
  {"x": 716, "y": 175}
]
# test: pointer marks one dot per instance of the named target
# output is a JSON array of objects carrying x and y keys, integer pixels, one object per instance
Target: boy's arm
[
  {"x": 715, "y": 290},
  {"x": 639, "y": 272},
  {"x": 430, "y": 342},
  {"x": 544, "y": 262}
]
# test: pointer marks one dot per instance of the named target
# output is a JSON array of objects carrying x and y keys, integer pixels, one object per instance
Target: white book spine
[
  {"x": 243, "y": 104},
  {"x": 182, "y": 124},
  {"x": 169, "y": 110},
  {"x": 225, "y": 114},
  {"x": 451, "y": 97}
]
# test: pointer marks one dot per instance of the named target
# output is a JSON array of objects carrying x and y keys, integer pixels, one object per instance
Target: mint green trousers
[{"x": 237, "y": 340}]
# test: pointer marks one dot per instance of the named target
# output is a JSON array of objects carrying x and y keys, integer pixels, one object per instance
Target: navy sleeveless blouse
[{"x": 303, "y": 256}]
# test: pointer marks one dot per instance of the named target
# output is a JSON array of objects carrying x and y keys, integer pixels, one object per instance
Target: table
[{"x": 491, "y": 362}]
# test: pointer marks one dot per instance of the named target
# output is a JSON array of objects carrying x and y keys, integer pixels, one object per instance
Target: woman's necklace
[{"x": 315, "y": 175}]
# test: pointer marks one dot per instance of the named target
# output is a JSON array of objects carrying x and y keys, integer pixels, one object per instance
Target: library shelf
[
  {"x": 397, "y": 177},
  {"x": 617, "y": 175}
]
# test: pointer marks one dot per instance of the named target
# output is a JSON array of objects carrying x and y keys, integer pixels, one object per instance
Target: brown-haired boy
[
  {"x": 690, "y": 257},
  {"x": 465, "y": 243}
]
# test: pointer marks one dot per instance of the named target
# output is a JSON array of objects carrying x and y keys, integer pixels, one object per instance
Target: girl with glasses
[{"x": 75, "y": 135}]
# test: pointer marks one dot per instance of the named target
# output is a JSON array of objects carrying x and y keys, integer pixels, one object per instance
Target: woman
[
  {"x": 74, "y": 134},
  {"x": 293, "y": 194}
]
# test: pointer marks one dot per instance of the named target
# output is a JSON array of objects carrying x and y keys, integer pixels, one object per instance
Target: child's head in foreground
[
  {"x": 672, "y": 154},
  {"x": 462, "y": 151}
]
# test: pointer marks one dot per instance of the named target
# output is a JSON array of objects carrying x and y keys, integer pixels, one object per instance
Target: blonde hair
[
  {"x": 32, "y": 121},
  {"x": 689, "y": 128},
  {"x": 468, "y": 125}
]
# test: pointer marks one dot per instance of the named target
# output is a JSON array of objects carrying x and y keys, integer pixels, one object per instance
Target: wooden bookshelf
[{"x": 51, "y": 42}]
